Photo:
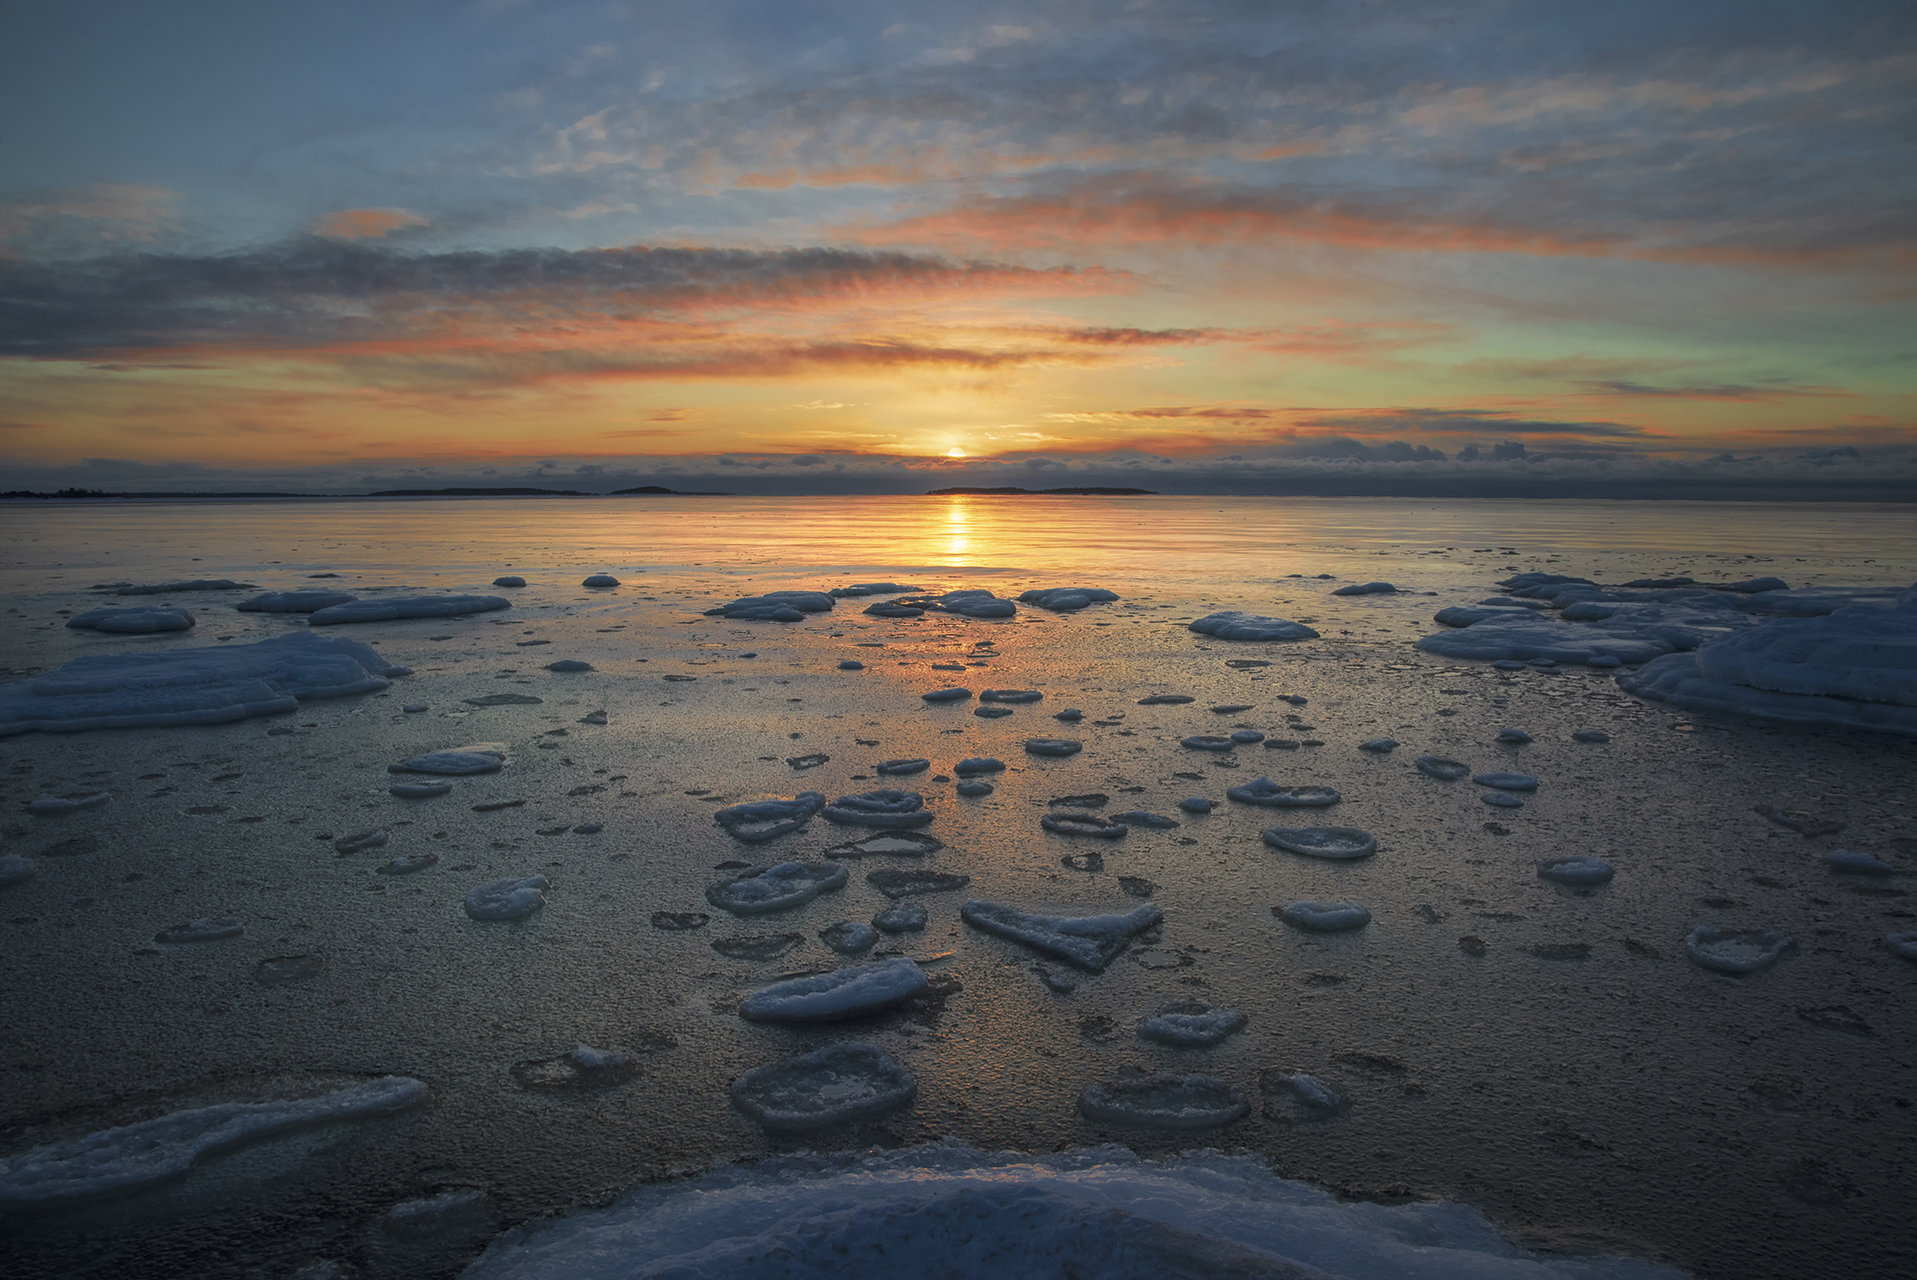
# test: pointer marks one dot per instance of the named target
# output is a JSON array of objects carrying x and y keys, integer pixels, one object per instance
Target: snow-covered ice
[
  {"x": 858, "y": 589},
  {"x": 1164, "y": 1101},
  {"x": 844, "y": 993},
  {"x": 568, "y": 666},
  {"x": 760, "y": 820},
  {"x": 1580, "y": 869},
  {"x": 1442, "y": 768},
  {"x": 1379, "y": 746},
  {"x": 181, "y": 584},
  {"x": 849, "y": 937},
  {"x": 393, "y": 608},
  {"x": 1263, "y": 791},
  {"x": 1191, "y": 1024},
  {"x": 478, "y": 757},
  {"x": 599, "y": 581},
  {"x": 1010, "y": 695},
  {"x": 1325, "y": 917},
  {"x": 1514, "y": 737},
  {"x": 201, "y": 929},
  {"x": 1066, "y": 599},
  {"x": 790, "y": 884},
  {"x": 1195, "y": 804},
  {"x": 509, "y": 580},
  {"x": 1366, "y": 589},
  {"x": 838, "y": 1084},
  {"x": 137, "y": 1155},
  {"x": 1083, "y": 824},
  {"x": 903, "y": 767},
  {"x": 895, "y": 883},
  {"x": 889, "y": 844},
  {"x": 1293, "y": 1097},
  {"x": 1337, "y": 844},
  {"x": 140, "y": 620},
  {"x": 1507, "y": 781},
  {"x": 1052, "y": 747},
  {"x": 1209, "y": 742},
  {"x": 1090, "y": 942},
  {"x": 1737, "y": 951},
  {"x": 886, "y": 808},
  {"x": 972, "y": 766},
  {"x": 774, "y": 606},
  {"x": 507, "y": 899},
  {"x": 951, "y": 693},
  {"x": 210, "y": 685},
  {"x": 974, "y": 787},
  {"x": 901, "y": 917},
  {"x": 1147, "y": 819},
  {"x": 1231, "y": 624},
  {"x": 952, "y": 1210}
]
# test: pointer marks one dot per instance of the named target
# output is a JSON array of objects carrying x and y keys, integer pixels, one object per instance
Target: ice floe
[
  {"x": 310, "y": 600},
  {"x": 507, "y": 899},
  {"x": 901, "y": 917},
  {"x": 1010, "y": 695},
  {"x": 1083, "y": 824},
  {"x": 1514, "y": 737},
  {"x": 1191, "y": 1024},
  {"x": 1379, "y": 746},
  {"x": 758, "y": 946},
  {"x": 857, "y": 589},
  {"x": 1855, "y": 667},
  {"x": 1336, "y": 844},
  {"x": 1195, "y": 804},
  {"x": 419, "y": 790},
  {"x": 951, "y": 1210},
  {"x": 568, "y": 666},
  {"x": 1145, "y": 818},
  {"x": 774, "y": 606},
  {"x": 1442, "y": 768},
  {"x": 790, "y": 884},
  {"x": 479, "y": 757},
  {"x": 1231, "y": 624},
  {"x": 360, "y": 842},
  {"x": 391, "y": 608},
  {"x": 45, "y": 805},
  {"x": 408, "y": 865},
  {"x": 1210, "y": 742},
  {"x": 849, "y": 937},
  {"x": 844, "y": 993},
  {"x": 895, "y": 844},
  {"x": 202, "y": 929},
  {"x": 974, "y": 787},
  {"x": 1856, "y": 862},
  {"x": 1247, "y": 737},
  {"x": 1293, "y": 1097},
  {"x": 1736, "y": 951},
  {"x": 1066, "y": 599},
  {"x": 897, "y": 884},
  {"x": 141, "y": 620},
  {"x": 902, "y": 768},
  {"x": 1903, "y": 943},
  {"x": 138, "y": 1155},
  {"x": 1365, "y": 589},
  {"x": 1580, "y": 869},
  {"x": 1263, "y": 791},
  {"x": 509, "y": 580},
  {"x": 1507, "y": 781},
  {"x": 276, "y": 971},
  {"x": 970, "y": 603},
  {"x": 1166, "y": 700},
  {"x": 1070, "y": 715},
  {"x": 16, "y": 869},
  {"x": 1325, "y": 917},
  {"x": 599, "y": 581},
  {"x": 974, "y": 765},
  {"x": 851, "y": 664},
  {"x": 1090, "y": 942},
  {"x": 952, "y": 693},
  {"x": 183, "y": 584},
  {"x": 1164, "y": 1101},
  {"x": 887, "y": 808},
  {"x": 505, "y": 700},
  {"x": 192, "y": 686},
  {"x": 838, "y": 1084},
  {"x": 1590, "y": 736},
  {"x": 1052, "y": 747},
  {"x": 765, "y": 819}
]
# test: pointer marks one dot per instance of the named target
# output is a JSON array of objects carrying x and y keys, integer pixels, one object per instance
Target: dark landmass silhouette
[{"x": 1094, "y": 491}]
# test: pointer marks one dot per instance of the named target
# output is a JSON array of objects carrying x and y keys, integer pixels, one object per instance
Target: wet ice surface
[{"x": 1586, "y": 1139}]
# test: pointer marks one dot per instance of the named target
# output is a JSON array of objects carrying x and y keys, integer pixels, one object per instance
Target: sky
[{"x": 1475, "y": 248}]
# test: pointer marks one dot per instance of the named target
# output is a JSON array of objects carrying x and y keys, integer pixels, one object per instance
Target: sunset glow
[{"x": 582, "y": 247}]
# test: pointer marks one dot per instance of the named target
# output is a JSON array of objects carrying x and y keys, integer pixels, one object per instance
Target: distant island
[
  {"x": 1093, "y": 491},
  {"x": 69, "y": 494},
  {"x": 660, "y": 491},
  {"x": 515, "y": 492}
]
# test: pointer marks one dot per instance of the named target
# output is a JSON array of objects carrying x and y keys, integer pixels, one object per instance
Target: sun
[{"x": 955, "y": 452}]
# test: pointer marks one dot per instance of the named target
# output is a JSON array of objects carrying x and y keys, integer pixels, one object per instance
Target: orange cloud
[{"x": 365, "y": 224}]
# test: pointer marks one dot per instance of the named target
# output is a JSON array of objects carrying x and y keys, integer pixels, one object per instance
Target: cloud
[
  {"x": 87, "y": 219},
  {"x": 1457, "y": 422},
  {"x": 318, "y": 291},
  {"x": 366, "y": 224}
]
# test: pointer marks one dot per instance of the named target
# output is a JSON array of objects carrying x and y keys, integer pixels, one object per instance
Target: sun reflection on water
[{"x": 958, "y": 531}]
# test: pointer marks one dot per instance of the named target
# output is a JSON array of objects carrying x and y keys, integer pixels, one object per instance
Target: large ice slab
[
  {"x": 790, "y": 884},
  {"x": 774, "y": 606},
  {"x": 843, "y": 993},
  {"x": 137, "y": 1155},
  {"x": 1855, "y": 667},
  {"x": 192, "y": 686},
  {"x": 310, "y": 600},
  {"x": 1090, "y": 942},
  {"x": 1067, "y": 599},
  {"x": 1232, "y": 624},
  {"x": 952, "y": 1210},
  {"x": 391, "y": 608},
  {"x": 760, "y": 820}
]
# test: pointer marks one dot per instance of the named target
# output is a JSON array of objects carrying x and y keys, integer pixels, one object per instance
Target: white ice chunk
[
  {"x": 48, "y": 804},
  {"x": 478, "y": 757},
  {"x": 843, "y": 993},
  {"x": 885, "y": 808},
  {"x": 1066, "y": 599},
  {"x": 1325, "y": 917},
  {"x": 1090, "y": 942},
  {"x": 1231, "y": 624},
  {"x": 137, "y": 1155},
  {"x": 1268, "y": 794},
  {"x": 774, "y": 606},
  {"x": 790, "y": 884},
  {"x": 1365, "y": 589},
  {"x": 142, "y": 620},
  {"x": 192, "y": 686},
  {"x": 765, "y": 819},
  {"x": 1165, "y": 1102},
  {"x": 1338, "y": 844},
  {"x": 1737, "y": 950},
  {"x": 1191, "y": 1024},
  {"x": 1521, "y": 634},
  {"x": 507, "y": 899},
  {"x": 838, "y": 1084},
  {"x": 390, "y": 608},
  {"x": 948, "y": 1209},
  {"x": 1581, "y": 869}
]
